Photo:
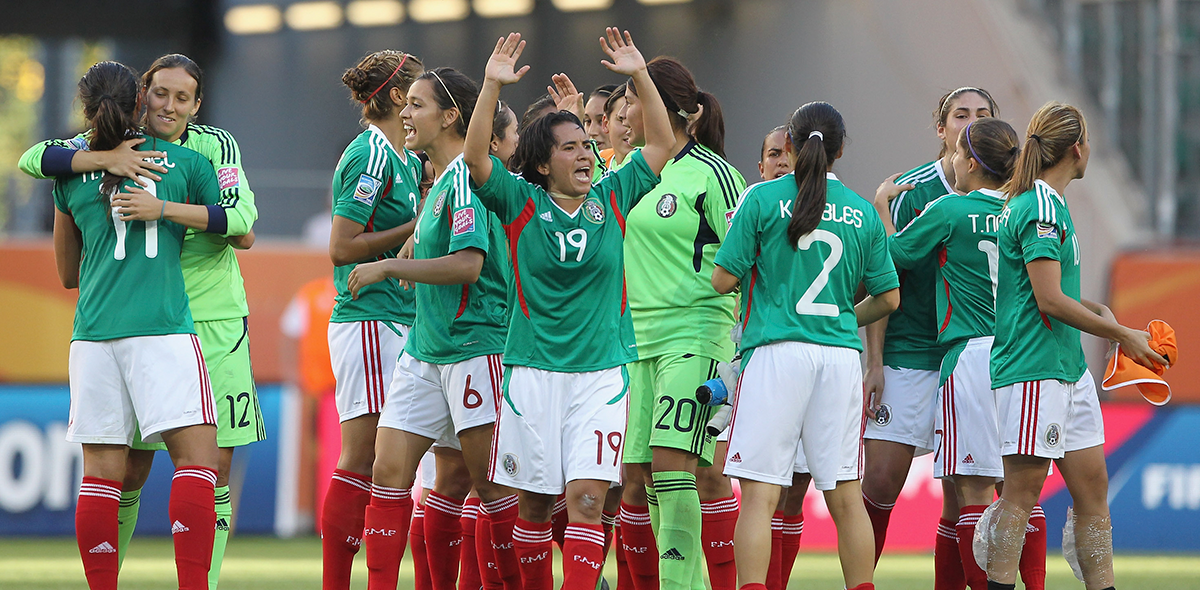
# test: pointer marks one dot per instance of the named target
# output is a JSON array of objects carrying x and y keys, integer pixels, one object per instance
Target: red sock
[
  {"x": 608, "y": 520},
  {"x": 583, "y": 555},
  {"x": 947, "y": 565},
  {"x": 1033, "y": 555},
  {"x": 753, "y": 587},
  {"x": 558, "y": 520},
  {"x": 96, "y": 531},
  {"x": 193, "y": 524},
  {"x": 793, "y": 528},
  {"x": 965, "y": 531},
  {"x": 468, "y": 576},
  {"x": 422, "y": 578},
  {"x": 641, "y": 551},
  {"x": 386, "y": 531},
  {"x": 775, "y": 569},
  {"x": 864, "y": 586},
  {"x": 443, "y": 539},
  {"x": 624, "y": 578},
  {"x": 488, "y": 574},
  {"x": 342, "y": 527},
  {"x": 534, "y": 544},
  {"x": 718, "y": 519},
  {"x": 880, "y": 514},
  {"x": 503, "y": 516}
]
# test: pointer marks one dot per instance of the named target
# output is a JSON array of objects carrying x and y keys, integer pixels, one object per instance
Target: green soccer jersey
[
  {"x": 1030, "y": 345},
  {"x": 911, "y": 339},
  {"x": 130, "y": 281},
  {"x": 458, "y": 322},
  {"x": 961, "y": 232},
  {"x": 210, "y": 268},
  {"x": 569, "y": 309},
  {"x": 376, "y": 187},
  {"x": 805, "y": 293},
  {"x": 673, "y": 236}
]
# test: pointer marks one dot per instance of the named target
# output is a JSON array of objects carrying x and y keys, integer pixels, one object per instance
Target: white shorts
[
  {"x": 440, "y": 401},
  {"x": 156, "y": 382},
  {"x": 795, "y": 393},
  {"x": 364, "y": 355},
  {"x": 968, "y": 438},
  {"x": 908, "y": 410},
  {"x": 554, "y": 428},
  {"x": 1048, "y": 418},
  {"x": 428, "y": 469}
]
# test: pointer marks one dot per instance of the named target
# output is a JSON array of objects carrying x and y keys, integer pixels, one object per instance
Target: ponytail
[
  {"x": 994, "y": 145},
  {"x": 817, "y": 132},
  {"x": 684, "y": 99},
  {"x": 1053, "y": 130},
  {"x": 709, "y": 128},
  {"x": 109, "y": 94}
]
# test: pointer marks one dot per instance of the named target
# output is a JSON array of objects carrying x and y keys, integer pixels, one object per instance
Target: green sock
[
  {"x": 127, "y": 513},
  {"x": 678, "y": 530},
  {"x": 652, "y": 503},
  {"x": 224, "y": 519}
]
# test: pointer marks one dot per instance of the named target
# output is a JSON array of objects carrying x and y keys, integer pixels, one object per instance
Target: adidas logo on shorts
[
  {"x": 968, "y": 459},
  {"x": 104, "y": 547},
  {"x": 736, "y": 458},
  {"x": 672, "y": 554},
  {"x": 178, "y": 528}
]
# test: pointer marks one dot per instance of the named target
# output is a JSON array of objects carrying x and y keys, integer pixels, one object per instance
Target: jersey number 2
[
  {"x": 807, "y": 304},
  {"x": 151, "y": 227}
]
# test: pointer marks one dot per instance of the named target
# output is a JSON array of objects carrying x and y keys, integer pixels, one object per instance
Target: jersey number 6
[{"x": 807, "y": 304}]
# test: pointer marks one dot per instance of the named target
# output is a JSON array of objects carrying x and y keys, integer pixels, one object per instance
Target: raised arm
[
  {"x": 627, "y": 60},
  {"x": 498, "y": 72}
]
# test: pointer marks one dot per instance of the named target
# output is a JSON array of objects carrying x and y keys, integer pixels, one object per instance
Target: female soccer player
[
  {"x": 618, "y": 130},
  {"x": 143, "y": 369},
  {"x": 902, "y": 369},
  {"x": 375, "y": 190},
  {"x": 447, "y": 381},
  {"x": 593, "y": 116},
  {"x": 1047, "y": 404},
  {"x": 962, "y": 232},
  {"x": 802, "y": 382},
  {"x": 682, "y": 329},
  {"x": 172, "y": 90},
  {"x": 562, "y": 417}
]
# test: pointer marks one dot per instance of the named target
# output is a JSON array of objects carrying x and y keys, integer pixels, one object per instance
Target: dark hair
[
  {"x": 372, "y": 80},
  {"x": 176, "y": 60},
  {"x": 762, "y": 150},
  {"x": 534, "y": 110},
  {"x": 617, "y": 94},
  {"x": 452, "y": 89},
  {"x": 537, "y": 143},
  {"x": 682, "y": 98},
  {"x": 943, "y": 109},
  {"x": 817, "y": 132},
  {"x": 993, "y": 143},
  {"x": 109, "y": 93},
  {"x": 501, "y": 120},
  {"x": 1053, "y": 130},
  {"x": 604, "y": 91}
]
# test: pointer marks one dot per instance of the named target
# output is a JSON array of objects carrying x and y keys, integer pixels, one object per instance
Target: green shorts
[
  {"x": 663, "y": 411},
  {"x": 226, "y": 347}
]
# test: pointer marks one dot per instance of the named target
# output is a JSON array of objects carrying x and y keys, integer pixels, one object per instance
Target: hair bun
[{"x": 356, "y": 79}]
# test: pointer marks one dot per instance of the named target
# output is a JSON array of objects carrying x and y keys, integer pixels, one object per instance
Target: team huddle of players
[{"x": 537, "y": 301}]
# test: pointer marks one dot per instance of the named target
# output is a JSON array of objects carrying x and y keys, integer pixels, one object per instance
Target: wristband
[{"x": 162, "y": 211}]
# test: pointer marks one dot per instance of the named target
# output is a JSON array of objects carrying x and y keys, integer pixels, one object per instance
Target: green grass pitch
[{"x": 262, "y": 563}]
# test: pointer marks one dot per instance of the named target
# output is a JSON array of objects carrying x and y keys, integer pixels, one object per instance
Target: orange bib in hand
[{"x": 1124, "y": 371}]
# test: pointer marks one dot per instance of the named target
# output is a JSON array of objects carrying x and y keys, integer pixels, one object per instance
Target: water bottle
[{"x": 713, "y": 392}]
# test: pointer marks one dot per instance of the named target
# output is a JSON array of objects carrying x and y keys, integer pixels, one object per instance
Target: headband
[
  {"x": 957, "y": 91},
  {"x": 452, "y": 101},
  {"x": 403, "y": 58},
  {"x": 975, "y": 155}
]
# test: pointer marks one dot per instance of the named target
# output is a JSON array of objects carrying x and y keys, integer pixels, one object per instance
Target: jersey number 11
[{"x": 122, "y": 227}]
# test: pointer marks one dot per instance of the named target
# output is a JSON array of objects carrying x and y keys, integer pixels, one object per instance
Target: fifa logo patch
[
  {"x": 592, "y": 211},
  {"x": 228, "y": 177},
  {"x": 366, "y": 189},
  {"x": 1046, "y": 230},
  {"x": 1053, "y": 435},
  {"x": 464, "y": 222},
  {"x": 667, "y": 205},
  {"x": 883, "y": 415},
  {"x": 510, "y": 464}
]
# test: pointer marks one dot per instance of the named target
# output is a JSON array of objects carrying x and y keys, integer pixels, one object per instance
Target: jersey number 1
[
  {"x": 151, "y": 227},
  {"x": 807, "y": 304}
]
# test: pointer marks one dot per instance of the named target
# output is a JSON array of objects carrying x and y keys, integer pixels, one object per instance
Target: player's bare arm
[{"x": 68, "y": 249}]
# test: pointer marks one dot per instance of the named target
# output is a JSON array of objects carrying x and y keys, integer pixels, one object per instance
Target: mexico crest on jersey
[
  {"x": 367, "y": 187},
  {"x": 1053, "y": 435},
  {"x": 667, "y": 205},
  {"x": 439, "y": 203},
  {"x": 592, "y": 211}
]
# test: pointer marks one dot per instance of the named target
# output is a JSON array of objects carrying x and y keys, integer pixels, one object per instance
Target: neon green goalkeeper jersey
[
  {"x": 458, "y": 322},
  {"x": 130, "y": 282},
  {"x": 805, "y": 292},
  {"x": 673, "y": 236},
  {"x": 911, "y": 339},
  {"x": 570, "y": 313},
  {"x": 1030, "y": 345},
  {"x": 210, "y": 268},
  {"x": 378, "y": 188}
]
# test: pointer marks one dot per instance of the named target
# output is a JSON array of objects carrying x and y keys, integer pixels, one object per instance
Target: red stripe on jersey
[
  {"x": 750, "y": 291},
  {"x": 612, "y": 200},
  {"x": 1045, "y": 320},
  {"x": 942, "y": 256},
  {"x": 463, "y": 305},
  {"x": 949, "y": 307},
  {"x": 513, "y": 231}
]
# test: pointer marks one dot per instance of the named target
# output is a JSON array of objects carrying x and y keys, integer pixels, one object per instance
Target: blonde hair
[{"x": 1052, "y": 131}]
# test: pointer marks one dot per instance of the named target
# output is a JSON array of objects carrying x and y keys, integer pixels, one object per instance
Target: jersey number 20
[
  {"x": 151, "y": 227},
  {"x": 807, "y": 304}
]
